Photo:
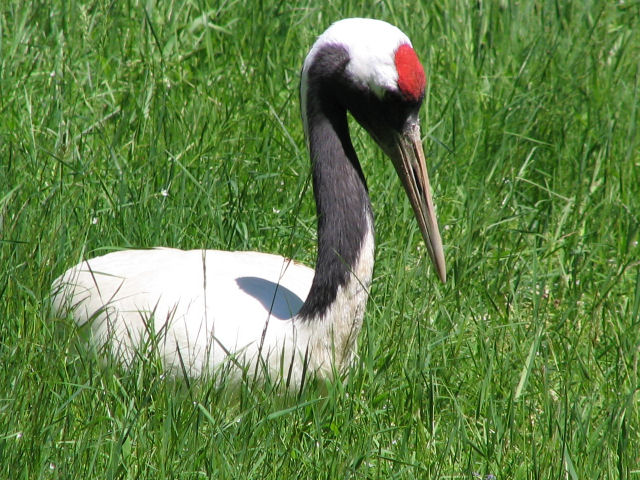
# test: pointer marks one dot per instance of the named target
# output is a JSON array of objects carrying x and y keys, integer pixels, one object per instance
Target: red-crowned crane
[{"x": 203, "y": 309}]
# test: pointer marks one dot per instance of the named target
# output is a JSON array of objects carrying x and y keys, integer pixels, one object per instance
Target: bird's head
[{"x": 369, "y": 68}]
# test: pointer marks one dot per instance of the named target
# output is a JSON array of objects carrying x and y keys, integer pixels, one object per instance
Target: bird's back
[{"x": 196, "y": 307}]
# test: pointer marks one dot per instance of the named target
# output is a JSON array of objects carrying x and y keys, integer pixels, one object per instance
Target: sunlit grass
[{"x": 132, "y": 125}]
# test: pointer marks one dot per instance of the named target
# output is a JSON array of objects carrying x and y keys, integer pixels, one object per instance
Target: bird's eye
[
  {"x": 392, "y": 96},
  {"x": 395, "y": 109}
]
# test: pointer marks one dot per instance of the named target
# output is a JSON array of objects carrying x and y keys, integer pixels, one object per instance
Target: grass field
[{"x": 136, "y": 124}]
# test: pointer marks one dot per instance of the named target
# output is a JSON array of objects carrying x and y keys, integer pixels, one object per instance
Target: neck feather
[{"x": 345, "y": 219}]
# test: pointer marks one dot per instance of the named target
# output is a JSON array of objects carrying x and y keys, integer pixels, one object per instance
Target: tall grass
[{"x": 134, "y": 124}]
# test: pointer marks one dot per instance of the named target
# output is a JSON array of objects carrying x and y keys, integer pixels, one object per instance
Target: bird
[{"x": 257, "y": 315}]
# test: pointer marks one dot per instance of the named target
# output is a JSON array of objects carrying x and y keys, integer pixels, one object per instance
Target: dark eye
[{"x": 396, "y": 109}]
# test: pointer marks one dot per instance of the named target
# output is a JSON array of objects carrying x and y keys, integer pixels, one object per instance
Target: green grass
[{"x": 134, "y": 124}]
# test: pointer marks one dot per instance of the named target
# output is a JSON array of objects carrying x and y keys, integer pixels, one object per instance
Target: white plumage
[
  {"x": 205, "y": 307},
  {"x": 200, "y": 305},
  {"x": 371, "y": 45}
]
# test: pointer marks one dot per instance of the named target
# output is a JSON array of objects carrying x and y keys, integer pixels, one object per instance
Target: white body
[{"x": 203, "y": 310}]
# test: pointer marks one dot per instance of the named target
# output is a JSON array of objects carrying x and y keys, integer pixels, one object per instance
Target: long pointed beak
[{"x": 408, "y": 158}]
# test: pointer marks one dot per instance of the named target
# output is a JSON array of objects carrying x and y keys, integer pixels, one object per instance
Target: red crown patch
[{"x": 411, "y": 77}]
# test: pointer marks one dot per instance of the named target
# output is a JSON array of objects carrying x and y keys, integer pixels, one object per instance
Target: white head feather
[{"x": 371, "y": 45}]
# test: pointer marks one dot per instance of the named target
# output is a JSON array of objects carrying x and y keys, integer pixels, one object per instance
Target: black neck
[{"x": 342, "y": 201}]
